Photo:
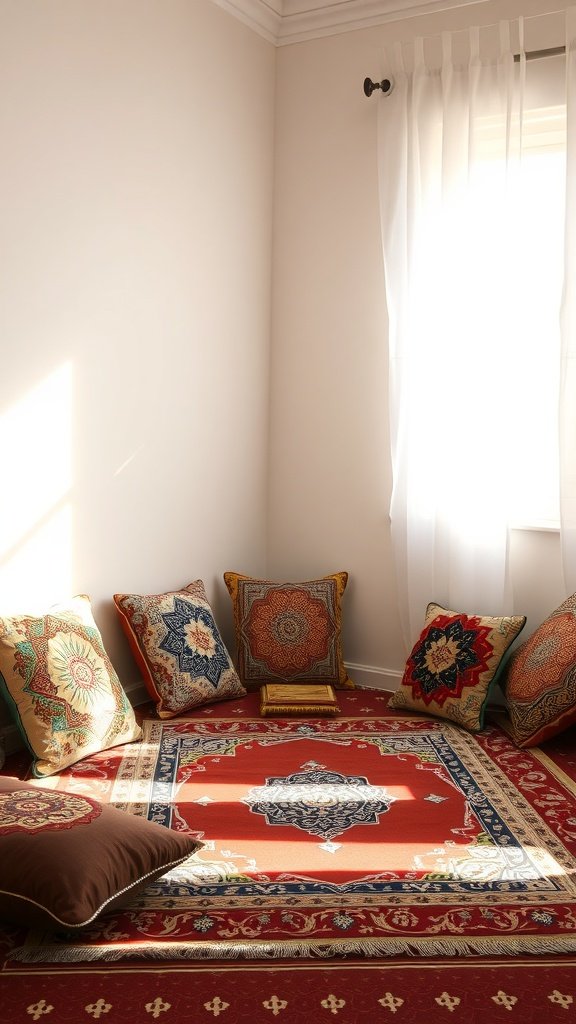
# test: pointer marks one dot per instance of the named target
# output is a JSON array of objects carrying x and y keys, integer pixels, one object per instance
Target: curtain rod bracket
[{"x": 386, "y": 85}]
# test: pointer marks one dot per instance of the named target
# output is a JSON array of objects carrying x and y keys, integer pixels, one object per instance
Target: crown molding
[
  {"x": 261, "y": 16},
  {"x": 283, "y": 22}
]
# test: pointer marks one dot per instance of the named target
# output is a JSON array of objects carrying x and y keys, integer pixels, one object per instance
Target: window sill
[{"x": 538, "y": 526}]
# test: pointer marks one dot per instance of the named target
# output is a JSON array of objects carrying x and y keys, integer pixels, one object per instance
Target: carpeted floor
[{"x": 374, "y": 866}]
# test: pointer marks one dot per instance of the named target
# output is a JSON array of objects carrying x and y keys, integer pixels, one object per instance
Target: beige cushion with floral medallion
[{"x": 61, "y": 687}]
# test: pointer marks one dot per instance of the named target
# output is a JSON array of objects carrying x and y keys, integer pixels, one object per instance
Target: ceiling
[{"x": 293, "y": 21}]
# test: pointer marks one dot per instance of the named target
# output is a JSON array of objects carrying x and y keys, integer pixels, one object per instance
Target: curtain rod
[
  {"x": 386, "y": 84},
  {"x": 552, "y": 51}
]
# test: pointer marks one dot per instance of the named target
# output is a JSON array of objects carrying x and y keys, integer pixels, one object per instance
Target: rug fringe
[{"x": 300, "y": 950}]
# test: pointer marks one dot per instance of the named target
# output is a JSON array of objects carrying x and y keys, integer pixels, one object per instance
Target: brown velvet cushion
[{"x": 66, "y": 858}]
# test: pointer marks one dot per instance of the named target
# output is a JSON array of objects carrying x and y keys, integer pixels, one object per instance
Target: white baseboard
[
  {"x": 368, "y": 676},
  {"x": 363, "y": 675},
  {"x": 374, "y": 678}
]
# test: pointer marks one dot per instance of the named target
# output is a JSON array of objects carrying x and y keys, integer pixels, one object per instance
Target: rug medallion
[{"x": 329, "y": 838}]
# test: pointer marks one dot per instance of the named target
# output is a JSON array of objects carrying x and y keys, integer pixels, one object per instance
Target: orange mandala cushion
[
  {"x": 454, "y": 663},
  {"x": 289, "y": 632},
  {"x": 539, "y": 679}
]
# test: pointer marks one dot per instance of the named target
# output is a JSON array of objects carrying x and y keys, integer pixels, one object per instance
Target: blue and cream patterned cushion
[
  {"x": 178, "y": 648},
  {"x": 61, "y": 686}
]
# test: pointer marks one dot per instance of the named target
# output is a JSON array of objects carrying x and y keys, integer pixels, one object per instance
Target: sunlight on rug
[{"x": 358, "y": 836}]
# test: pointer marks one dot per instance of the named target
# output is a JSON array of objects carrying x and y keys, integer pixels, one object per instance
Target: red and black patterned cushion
[
  {"x": 66, "y": 858},
  {"x": 289, "y": 632},
  {"x": 453, "y": 664}
]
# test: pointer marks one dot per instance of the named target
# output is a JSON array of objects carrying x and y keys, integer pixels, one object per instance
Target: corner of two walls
[
  {"x": 330, "y": 473},
  {"x": 330, "y": 476}
]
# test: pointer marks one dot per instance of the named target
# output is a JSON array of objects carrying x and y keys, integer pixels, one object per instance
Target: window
[{"x": 538, "y": 226}]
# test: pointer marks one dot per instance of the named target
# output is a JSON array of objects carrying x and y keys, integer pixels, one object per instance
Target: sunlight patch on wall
[{"x": 36, "y": 515}]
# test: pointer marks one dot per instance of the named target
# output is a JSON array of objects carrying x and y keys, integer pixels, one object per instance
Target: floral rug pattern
[{"x": 364, "y": 835}]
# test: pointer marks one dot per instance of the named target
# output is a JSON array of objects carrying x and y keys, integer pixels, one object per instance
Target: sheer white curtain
[{"x": 452, "y": 206}]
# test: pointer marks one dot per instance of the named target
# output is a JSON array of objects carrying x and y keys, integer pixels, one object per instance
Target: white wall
[
  {"x": 135, "y": 232},
  {"x": 135, "y": 305},
  {"x": 330, "y": 474}
]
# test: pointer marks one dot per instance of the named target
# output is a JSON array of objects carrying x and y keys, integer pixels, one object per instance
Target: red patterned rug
[{"x": 343, "y": 853}]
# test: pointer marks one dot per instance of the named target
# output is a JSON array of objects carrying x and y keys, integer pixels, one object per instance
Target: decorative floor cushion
[
  {"x": 289, "y": 632},
  {"x": 61, "y": 686},
  {"x": 66, "y": 858},
  {"x": 453, "y": 664},
  {"x": 178, "y": 648},
  {"x": 539, "y": 679}
]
